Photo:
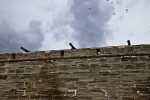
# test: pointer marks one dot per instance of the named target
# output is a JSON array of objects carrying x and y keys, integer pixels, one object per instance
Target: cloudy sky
[{"x": 53, "y": 24}]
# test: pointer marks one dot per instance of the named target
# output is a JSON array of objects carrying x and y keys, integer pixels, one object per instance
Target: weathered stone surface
[{"x": 105, "y": 73}]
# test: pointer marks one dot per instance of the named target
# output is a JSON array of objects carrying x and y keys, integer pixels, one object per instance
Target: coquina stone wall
[{"x": 105, "y": 73}]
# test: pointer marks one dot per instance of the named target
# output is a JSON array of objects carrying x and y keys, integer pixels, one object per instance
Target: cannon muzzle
[{"x": 128, "y": 42}]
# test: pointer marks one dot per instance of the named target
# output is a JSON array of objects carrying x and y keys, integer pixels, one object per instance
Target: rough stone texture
[{"x": 106, "y": 73}]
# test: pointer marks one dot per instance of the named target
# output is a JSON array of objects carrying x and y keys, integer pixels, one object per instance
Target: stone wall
[{"x": 106, "y": 73}]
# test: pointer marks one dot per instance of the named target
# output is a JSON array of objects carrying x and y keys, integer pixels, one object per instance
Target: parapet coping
[
  {"x": 130, "y": 54},
  {"x": 48, "y": 51}
]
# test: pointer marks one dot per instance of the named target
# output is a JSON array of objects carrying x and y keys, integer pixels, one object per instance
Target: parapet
[{"x": 77, "y": 53}]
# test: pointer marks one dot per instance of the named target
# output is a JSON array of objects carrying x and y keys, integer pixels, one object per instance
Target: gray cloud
[
  {"x": 90, "y": 22},
  {"x": 11, "y": 40}
]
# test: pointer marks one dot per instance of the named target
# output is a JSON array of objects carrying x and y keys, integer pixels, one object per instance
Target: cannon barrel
[
  {"x": 72, "y": 47},
  {"x": 128, "y": 42},
  {"x": 25, "y": 49}
]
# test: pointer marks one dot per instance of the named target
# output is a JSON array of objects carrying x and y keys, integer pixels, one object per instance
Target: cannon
[
  {"x": 25, "y": 49},
  {"x": 72, "y": 47},
  {"x": 128, "y": 42}
]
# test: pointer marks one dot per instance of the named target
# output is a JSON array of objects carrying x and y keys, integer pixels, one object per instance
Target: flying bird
[
  {"x": 126, "y": 10},
  {"x": 89, "y": 8},
  {"x": 112, "y": 2},
  {"x": 114, "y": 14},
  {"x": 107, "y": 0}
]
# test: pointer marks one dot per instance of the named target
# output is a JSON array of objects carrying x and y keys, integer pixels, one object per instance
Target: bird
[
  {"x": 107, "y": 0},
  {"x": 112, "y": 2},
  {"x": 89, "y": 8},
  {"x": 126, "y": 10},
  {"x": 113, "y": 13}
]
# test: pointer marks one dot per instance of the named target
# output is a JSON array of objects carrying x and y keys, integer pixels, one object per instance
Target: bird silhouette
[{"x": 126, "y": 10}]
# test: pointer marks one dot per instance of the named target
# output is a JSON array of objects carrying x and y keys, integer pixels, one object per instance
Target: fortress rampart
[{"x": 105, "y": 73}]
